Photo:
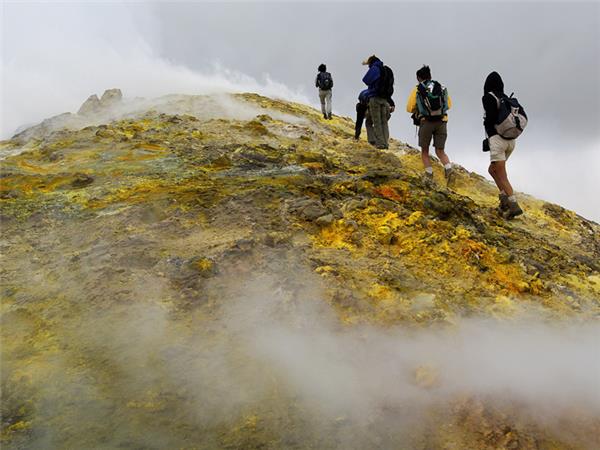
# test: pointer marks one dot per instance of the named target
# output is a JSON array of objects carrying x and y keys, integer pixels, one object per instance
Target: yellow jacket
[{"x": 411, "y": 105}]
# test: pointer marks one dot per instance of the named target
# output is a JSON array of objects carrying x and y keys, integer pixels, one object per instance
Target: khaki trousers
[
  {"x": 325, "y": 97},
  {"x": 378, "y": 115}
]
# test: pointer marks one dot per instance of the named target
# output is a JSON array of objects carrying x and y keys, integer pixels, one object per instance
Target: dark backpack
[
  {"x": 432, "y": 99},
  {"x": 325, "y": 81},
  {"x": 385, "y": 87},
  {"x": 512, "y": 119}
]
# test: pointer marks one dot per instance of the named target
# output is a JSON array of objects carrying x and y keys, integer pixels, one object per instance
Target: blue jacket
[{"x": 371, "y": 79}]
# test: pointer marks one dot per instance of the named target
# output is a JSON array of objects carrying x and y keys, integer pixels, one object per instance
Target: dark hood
[{"x": 493, "y": 83}]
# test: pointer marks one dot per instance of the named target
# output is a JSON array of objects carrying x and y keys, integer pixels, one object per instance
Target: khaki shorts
[
  {"x": 500, "y": 148},
  {"x": 438, "y": 130}
]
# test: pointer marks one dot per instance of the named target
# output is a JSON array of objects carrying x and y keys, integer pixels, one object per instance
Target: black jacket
[{"x": 493, "y": 83}]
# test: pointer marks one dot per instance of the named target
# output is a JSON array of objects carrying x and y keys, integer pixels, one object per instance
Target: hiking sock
[
  {"x": 429, "y": 170},
  {"x": 512, "y": 198},
  {"x": 448, "y": 166}
]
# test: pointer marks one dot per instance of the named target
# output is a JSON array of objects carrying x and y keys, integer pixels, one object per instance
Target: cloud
[{"x": 87, "y": 49}]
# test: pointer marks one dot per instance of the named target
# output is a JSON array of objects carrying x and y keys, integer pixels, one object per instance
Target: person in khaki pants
[
  {"x": 324, "y": 82},
  {"x": 384, "y": 128},
  {"x": 379, "y": 107},
  {"x": 500, "y": 149}
]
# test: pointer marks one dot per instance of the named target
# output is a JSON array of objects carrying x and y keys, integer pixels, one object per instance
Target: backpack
[
  {"x": 325, "y": 81},
  {"x": 512, "y": 119},
  {"x": 432, "y": 99},
  {"x": 385, "y": 87}
]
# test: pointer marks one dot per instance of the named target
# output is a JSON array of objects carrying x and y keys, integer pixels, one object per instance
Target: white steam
[
  {"x": 79, "y": 50},
  {"x": 542, "y": 365},
  {"x": 275, "y": 349}
]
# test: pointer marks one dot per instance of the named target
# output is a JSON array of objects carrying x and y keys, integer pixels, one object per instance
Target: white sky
[{"x": 55, "y": 55}]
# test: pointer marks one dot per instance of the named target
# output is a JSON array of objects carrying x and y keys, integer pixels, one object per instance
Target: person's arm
[
  {"x": 411, "y": 104},
  {"x": 491, "y": 114},
  {"x": 317, "y": 81},
  {"x": 392, "y": 104}
]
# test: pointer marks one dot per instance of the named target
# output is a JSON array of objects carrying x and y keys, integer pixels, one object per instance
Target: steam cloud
[
  {"x": 356, "y": 369},
  {"x": 131, "y": 366},
  {"x": 82, "y": 56},
  {"x": 272, "y": 345}
]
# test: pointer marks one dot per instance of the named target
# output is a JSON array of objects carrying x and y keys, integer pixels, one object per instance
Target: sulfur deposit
[{"x": 234, "y": 272}]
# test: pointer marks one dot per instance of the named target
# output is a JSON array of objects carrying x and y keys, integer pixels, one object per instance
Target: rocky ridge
[{"x": 164, "y": 206}]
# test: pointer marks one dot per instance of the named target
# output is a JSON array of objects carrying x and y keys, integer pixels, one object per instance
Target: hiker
[
  {"x": 428, "y": 103},
  {"x": 500, "y": 138},
  {"x": 380, "y": 88},
  {"x": 324, "y": 82},
  {"x": 362, "y": 113}
]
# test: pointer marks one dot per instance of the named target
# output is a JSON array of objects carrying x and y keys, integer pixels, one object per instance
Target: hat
[{"x": 369, "y": 60}]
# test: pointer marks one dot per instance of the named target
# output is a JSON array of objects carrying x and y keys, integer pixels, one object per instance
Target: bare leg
[
  {"x": 492, "y": 172},
  {"x": 425, "y": 157},
  {"x": 441, "y": 154},
  {"x": 497, "y": 170}
]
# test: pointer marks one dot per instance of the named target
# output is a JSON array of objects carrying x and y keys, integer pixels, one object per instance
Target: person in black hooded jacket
[
  {"x": 324, "y": 82},
  {"x": 500, "y": 148}
]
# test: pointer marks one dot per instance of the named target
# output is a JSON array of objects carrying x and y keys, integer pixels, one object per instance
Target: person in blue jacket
[{"x": 379, "y": 108}]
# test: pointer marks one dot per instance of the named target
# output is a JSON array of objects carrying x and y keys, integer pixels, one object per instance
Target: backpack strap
[{"x": 497, "y": 99}]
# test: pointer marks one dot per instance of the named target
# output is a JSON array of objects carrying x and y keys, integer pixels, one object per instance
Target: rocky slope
[{"x": 129, "y": 231}]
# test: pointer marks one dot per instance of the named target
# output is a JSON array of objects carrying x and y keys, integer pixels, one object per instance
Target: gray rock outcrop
[
  {"x": 93, "y": 104},
  {"x": 90, "y": 106},
  {"x": 111, "y": 97}
]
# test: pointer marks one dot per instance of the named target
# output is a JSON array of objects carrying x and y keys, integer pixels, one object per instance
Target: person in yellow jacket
[{"x": 429, "y": 103}]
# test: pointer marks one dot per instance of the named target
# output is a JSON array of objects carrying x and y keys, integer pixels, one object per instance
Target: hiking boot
[
  {"x": 450, "y": 174},
  {"x": 330, "y": 116},
  {"x": 428, "y": 179},
  {"x": 503, "y": 202},
  {"x": 325, "y": 116},
  {"x": 513, "y": 210}
]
